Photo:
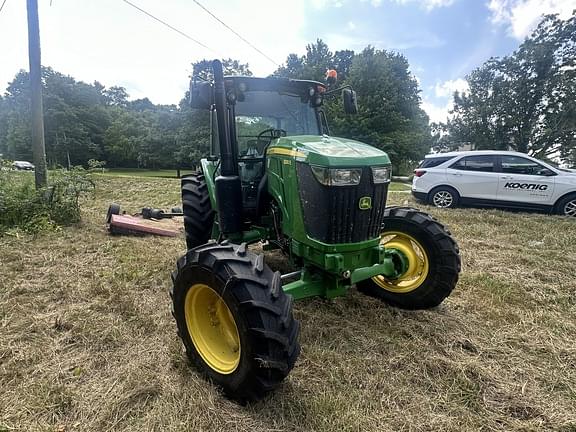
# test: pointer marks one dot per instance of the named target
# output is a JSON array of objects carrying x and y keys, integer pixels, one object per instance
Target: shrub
[
  {"x": 25, "y": 208},
  {"x": 96, "y": 165}
]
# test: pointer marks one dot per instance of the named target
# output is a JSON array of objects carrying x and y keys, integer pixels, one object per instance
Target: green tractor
[{"x": 276, "y": 176}]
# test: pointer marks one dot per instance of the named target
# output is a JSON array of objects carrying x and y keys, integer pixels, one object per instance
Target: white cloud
[
  {"x": 428, "y": 4},
  {"x": 375, "y": 3},
  {"x": 444, "y": 91},
  {"x": 322, "y": 4},
  {"x": 351, "y": 26},
  {"x": 522, "y": 16},
  {"x": 436, "y": 113},
  {"x": 447, "y": 88}
]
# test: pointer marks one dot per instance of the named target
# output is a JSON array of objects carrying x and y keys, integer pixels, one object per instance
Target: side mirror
[
  {"x": 201, "y": 95},
  {"x": 350, "y": 102}
]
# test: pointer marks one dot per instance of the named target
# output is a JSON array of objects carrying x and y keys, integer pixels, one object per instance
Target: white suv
[{"x": 495, "y": 179}]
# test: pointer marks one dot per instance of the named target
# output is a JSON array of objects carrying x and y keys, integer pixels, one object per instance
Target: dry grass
[{"x": 87, "y": 341}]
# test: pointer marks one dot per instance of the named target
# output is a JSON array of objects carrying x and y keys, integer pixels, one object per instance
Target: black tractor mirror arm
[
  {"x": 337, "y": 90},
  {"x": 348, "y": 98}
]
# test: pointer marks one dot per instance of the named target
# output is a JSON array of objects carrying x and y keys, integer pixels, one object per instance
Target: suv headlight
[
  {"x": 337, "y": 176},
  {"x": 381, "y": 174}
]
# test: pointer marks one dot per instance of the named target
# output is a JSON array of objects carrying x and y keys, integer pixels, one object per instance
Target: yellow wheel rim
[
  {"x": 212, "y": 328},
  {"x": 418, "y": 263}
]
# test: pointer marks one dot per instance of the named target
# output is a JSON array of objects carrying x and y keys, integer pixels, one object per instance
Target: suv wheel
[
  {"x": 567, "y": 206},
  {"x": 444, "y": 197}
]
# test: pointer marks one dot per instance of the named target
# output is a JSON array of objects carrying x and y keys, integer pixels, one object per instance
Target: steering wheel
[{"x": 274, "y": 133}]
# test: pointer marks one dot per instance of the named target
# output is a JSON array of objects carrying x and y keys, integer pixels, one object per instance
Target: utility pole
[{"x": 37, "y": 115}]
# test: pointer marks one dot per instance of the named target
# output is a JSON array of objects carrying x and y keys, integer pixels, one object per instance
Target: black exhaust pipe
[{"x": 228, "y": 185}]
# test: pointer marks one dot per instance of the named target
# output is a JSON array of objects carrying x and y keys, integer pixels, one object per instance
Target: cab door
[
  {"x": 474, "y": 176},
  {"x": 524, "y": 180}
]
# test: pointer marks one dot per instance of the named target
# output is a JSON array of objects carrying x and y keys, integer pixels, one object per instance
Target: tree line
[
  {"x": 525, "y": 101},
  {"x": 91, "y": 122}
]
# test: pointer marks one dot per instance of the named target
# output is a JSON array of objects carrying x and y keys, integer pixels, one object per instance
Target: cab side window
[
  {"x": 520, "y": 165},
  {"x": 481, "y": 163}
]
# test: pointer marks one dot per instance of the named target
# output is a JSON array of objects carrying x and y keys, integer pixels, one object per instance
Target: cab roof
[{"x": 272, "y": 83}]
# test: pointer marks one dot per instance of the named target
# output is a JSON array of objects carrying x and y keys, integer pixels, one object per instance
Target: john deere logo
[{"x": 365, "y": 203}]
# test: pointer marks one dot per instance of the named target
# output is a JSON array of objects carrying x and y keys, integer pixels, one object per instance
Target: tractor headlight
[
  {"x": 381, "y": 174},
  {"x": 337, "y": 176}
]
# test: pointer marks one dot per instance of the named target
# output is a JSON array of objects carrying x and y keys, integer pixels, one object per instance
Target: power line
[
  {"x": 169, "y": 26},
  {"x": 233, "y": 31},
  {"x": 2, "y": 7}
]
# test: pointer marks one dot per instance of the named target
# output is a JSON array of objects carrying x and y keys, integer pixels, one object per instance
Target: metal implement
[{"x": 149, "y": 221}]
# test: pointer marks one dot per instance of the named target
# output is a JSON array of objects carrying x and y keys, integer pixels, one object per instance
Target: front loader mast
[{"x": 228, "y": 183}]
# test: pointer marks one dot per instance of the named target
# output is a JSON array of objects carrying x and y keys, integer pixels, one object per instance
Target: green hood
[{"x": 331, "y": 151}]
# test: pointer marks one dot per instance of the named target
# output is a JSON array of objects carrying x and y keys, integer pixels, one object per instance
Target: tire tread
[
  {"x": 273, "y": 332},
  {"x": 197, "y": 209}
]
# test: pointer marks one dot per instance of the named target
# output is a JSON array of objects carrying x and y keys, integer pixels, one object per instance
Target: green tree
[
  {"x": 126, "y": 138},
  {"x": 389, "y": 115},
  {"x": 116, "y": 96},
  {"x": 85, "y": 121},
  {"x": 203, "y": 68},
  {"x": 525, "y": 101},
  {"x": 15, "y": 138},
  {"x": 313, "y": 65}
]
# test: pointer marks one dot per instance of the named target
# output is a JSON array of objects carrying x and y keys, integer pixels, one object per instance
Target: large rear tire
[
  {"x": 234, "y": 319},
  {"x": 433, "y": 256},
  {"x": 198, "y": 212}
]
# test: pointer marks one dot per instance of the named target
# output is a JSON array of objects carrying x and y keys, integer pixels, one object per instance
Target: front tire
[
  {"x": 234, "y": 319},
  {"x": 433, "y": 256}
]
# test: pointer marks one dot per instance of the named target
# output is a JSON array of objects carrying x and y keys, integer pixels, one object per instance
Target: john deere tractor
[{"x": 276, "y": 177}]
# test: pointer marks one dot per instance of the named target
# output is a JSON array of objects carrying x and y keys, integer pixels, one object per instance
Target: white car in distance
[
  {"x": 23, "y": 165},
  {"x": 494, "y": 179}
]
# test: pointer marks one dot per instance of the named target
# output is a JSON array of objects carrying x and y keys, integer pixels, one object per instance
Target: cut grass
[{"x": 87, "y": 341}]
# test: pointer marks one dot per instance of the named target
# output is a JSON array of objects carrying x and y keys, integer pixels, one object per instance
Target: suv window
[
  {"x": 520, "y": 165},
  {"x": 434, "y": 162},
  {"x": 484, "y": 163}
]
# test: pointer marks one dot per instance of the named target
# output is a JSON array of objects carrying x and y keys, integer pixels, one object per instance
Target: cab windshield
[{"x": 263, "y": 113}]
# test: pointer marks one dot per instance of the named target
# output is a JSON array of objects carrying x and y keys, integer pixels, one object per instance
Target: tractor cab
[
  {"x": 261, "y": 111},
  {"x": 264, "y": 110}
]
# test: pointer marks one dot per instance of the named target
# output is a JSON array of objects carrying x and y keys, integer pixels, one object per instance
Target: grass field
[
  {"x": 87, "y": 342},
  {"x": 397, "y": 186},
  {"x": 140, "y": 172}
]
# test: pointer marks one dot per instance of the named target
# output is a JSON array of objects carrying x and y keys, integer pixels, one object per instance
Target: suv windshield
[{"x": 288, "y": 113}]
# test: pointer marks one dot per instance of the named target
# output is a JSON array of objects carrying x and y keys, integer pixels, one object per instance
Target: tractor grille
[{"x": 332, "y": 213}]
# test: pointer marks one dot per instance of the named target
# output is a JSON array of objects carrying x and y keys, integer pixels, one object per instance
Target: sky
[{"x": 115, "y": 44}]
